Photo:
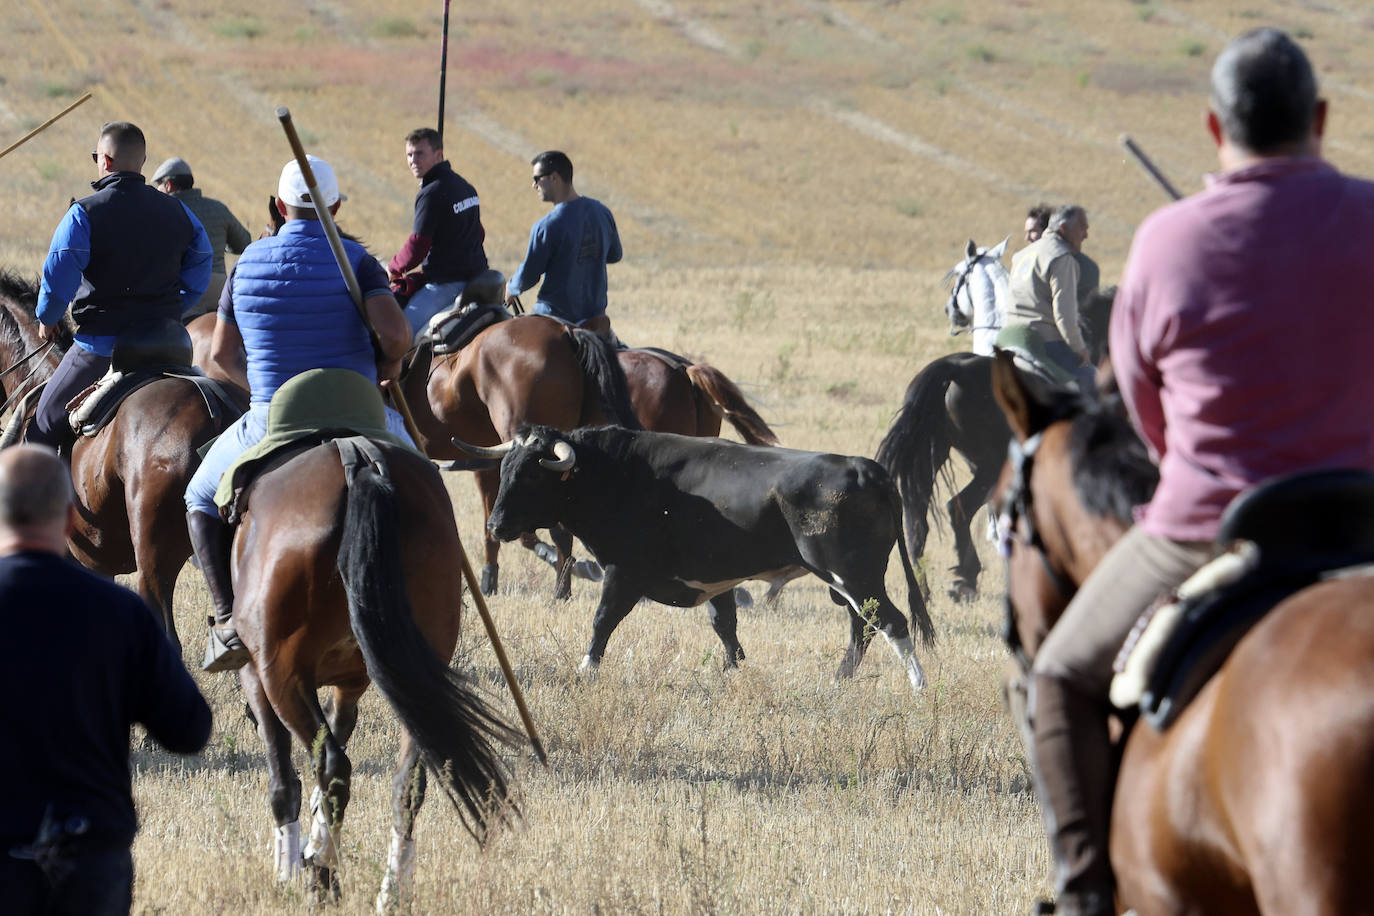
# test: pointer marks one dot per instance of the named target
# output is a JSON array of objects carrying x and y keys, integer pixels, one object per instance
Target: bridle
[
  {"x": 19, "y": 389},
  {"x": 1016, "y": 522},
  {"x": 952, "y": 306}
]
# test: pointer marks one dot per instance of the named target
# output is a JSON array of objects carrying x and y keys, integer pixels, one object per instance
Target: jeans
[
  {"x": 78, "y": 370},
  {"x": 430, "y": 300},
  {"x": 237, "y": 439}
]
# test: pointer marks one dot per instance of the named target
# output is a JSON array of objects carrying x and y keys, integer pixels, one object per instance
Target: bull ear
[
  {"x": 1026, "y": 413},
  {"x": 972, "y": 250}
]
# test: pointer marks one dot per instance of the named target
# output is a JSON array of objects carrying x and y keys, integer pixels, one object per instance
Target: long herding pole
[
  {"x": 443, "y": 73},
  {"x": 355, "y": 293},
  {"x": 1149, "y": 167},
  {"x": 48, "y": 123}
]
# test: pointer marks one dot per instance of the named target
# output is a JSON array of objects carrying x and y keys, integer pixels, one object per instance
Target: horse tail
[
  {"x": 728, "y": 401},
  {"x": 454, "y": 728},
  {"x": 916, "y": 602},
  {"x": 917, "y": 447},
  {"x": 603, "y": 373}
]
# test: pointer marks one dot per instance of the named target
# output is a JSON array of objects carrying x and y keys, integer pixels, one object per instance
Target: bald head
[
  {"x": 35, "y": 499},
  {"x": 124, "y": 144},
  {"x": 1264, "y": 93}
]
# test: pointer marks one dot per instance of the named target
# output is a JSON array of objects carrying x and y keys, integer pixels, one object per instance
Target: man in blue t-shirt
[
  {"x": 123, "y": 256},
  {"x": 81, "y": 660},
  {"x": 570, "y": 248},
  {"x": 286, "y": 310},
  {"x": 446, "y": 239}
]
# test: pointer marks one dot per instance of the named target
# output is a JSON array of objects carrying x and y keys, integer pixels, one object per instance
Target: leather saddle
[
  {"x": 1284, "y": 535},
  {"x": 480, "y": 306},
  {"x": 143, "y": 355}
]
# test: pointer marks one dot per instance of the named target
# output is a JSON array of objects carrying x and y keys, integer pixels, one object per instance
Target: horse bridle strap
[{"x": 1016, "y": 511}]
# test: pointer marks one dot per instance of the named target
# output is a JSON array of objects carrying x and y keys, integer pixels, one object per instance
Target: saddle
[
  {"x": 1282, "y": 537},
  {"x": 1027, "y": 348},
  {"x": 141, "y": 356},
  {"x": 308, "y": 409},
  {"x": 480, "y": 306}
]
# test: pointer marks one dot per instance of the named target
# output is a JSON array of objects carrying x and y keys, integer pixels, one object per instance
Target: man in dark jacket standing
[
  {"x": 446, "y": 241},
  {"x": 81, "y": 660},
  {"x": 125, "y": 255}
]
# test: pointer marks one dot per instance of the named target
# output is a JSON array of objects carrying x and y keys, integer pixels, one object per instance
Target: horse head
[
  {"x": 1075, "y": 471},
  {"x": 974, "y": 287}
]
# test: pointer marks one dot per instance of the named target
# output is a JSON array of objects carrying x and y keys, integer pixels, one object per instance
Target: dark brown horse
[
  {"x": 130, "y": 477},
  {"x": 533, "y": 369},
  {"x": 948, "y": 408},
  {"x": 1258, "y": 798},
  {"x": 343, "y": 579}
]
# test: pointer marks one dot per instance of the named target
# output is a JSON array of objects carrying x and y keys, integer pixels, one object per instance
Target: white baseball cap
[{"x": 293, "y": 191}]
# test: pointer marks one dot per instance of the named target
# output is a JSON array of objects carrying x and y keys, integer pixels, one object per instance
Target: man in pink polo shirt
[{"x": 1240, "y": 337}]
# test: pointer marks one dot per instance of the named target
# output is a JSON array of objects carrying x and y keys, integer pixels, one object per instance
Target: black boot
[
  {"x": 212, "y": 541},
  {"x": 1074, "y": 774}
]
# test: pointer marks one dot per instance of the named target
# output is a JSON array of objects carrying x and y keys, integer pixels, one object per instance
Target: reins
[{"x": 19, "y": 389}]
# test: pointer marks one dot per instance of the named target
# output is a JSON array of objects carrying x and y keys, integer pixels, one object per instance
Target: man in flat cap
[{"x": 224, "y": 230}]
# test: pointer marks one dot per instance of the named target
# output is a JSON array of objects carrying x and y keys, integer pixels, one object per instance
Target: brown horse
[
  {"x": 129, "y": 478},
  {"x": 344, "y": 578},
  {"x": 1258, "y": 798},
  {"x": 533, "y": 369}
]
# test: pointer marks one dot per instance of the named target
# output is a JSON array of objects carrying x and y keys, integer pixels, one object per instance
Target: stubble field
[{"x": 791, "y": 180}]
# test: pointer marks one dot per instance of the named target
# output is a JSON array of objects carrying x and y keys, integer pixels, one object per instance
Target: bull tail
[
  {"x": 457, "y": 732},
  {"x": 729, "y": 402},
  {"x": 602, "y": 372},
  {"x": 917, "y": 447},
  {"x": 916, "y": 602}
]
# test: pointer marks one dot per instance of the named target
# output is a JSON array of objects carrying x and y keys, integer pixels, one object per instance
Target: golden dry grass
[{"x": 791, "y": 181}]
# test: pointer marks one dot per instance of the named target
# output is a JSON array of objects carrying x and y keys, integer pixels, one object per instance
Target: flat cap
[{"x": 171, "y": 168}]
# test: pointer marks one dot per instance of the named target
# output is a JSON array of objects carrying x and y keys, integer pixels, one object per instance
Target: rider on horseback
[
  {"x": 288, "y": 309},
  {"x": 124, "y": 256},
  {"x": 570, "y": 248},
  {"x": 1219, "y": 290},
  {"x": 1043, "y": 318}
]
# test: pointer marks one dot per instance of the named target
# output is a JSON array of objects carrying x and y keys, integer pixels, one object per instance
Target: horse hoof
[
  {"x": 546, "y": 552},
  {"x": 489, "y": 579},
  {"x": 962, "y": 592}
]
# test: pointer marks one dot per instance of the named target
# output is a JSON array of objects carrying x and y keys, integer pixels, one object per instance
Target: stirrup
[{"x": 225, "y": 652}]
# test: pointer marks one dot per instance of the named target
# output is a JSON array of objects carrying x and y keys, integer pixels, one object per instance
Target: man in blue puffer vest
[
  {"x": 287, "y": 309},
  {"x": 126, "y": 254}
]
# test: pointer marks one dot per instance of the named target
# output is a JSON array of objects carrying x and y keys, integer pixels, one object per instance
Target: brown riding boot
[
  {"x": 212, "y": 540},
  {"x": 1074, "y": 776}
]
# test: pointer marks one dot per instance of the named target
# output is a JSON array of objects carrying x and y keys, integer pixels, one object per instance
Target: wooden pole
[
  {"x": 1149, "y": 167},
  {"x": 48, "y": 123},
  {"x": 443, "y": 74}
]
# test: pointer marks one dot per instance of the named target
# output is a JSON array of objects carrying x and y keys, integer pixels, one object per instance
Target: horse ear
[
  {"x": 996, "y": 253},
  {"x": 972, "y": 250},
  {"x": 1025, "y": 413}
]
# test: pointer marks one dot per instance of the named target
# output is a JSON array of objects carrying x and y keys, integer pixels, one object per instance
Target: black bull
[{"x": 682, "y": 520}]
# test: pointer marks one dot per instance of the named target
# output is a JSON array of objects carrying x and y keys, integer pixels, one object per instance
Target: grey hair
[
  {"x": 1264, "y": 92},
  {"x": 1069, "y": 213}
]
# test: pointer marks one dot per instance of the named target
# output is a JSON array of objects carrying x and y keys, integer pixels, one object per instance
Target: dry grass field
[{"x": 791, "y": 180}]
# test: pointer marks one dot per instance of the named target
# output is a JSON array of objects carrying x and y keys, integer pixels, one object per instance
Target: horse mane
[
  {"x": 23, "y": 293},
  {"x": 1113, "y": 472}
]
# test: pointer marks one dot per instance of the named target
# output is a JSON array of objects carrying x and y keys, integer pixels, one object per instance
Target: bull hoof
[
  {"x": 743, "y": 600},
  {"x": 489, "y": 579},
  {"x": 589, "y": 668}
]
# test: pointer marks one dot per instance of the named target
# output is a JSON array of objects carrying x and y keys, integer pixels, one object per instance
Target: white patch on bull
[
  {"x": 322, "y": 851},
  {"x": 398, "y": 884},
  {"x": 709, "y": 590},
  {"x": 906, "y": 654},
  {"x": 286, "y": 851}
]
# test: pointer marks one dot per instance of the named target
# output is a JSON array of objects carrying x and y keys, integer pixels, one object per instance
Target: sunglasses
[{"x": 535, "y": 179}]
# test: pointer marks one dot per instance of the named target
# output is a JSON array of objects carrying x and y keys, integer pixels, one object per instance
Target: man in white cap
[
  {"x": 223, "y": 229},
  {"x": 287, "y": 309}
]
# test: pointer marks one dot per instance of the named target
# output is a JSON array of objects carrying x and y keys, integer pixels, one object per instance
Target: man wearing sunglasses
[
  {"x": 126, "y": 255},
  {"x": 570, "y": 248}
]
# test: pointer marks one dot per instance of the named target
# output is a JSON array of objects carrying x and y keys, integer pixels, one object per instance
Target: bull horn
[
  {"x": 482, "y": 451},
  {"x": 563, "y": 457}
]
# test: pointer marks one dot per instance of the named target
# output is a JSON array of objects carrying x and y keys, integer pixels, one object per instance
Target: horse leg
[
  {"x": 563, "y": 542},
  {"x": 407, "y": 795},
  {"x": 723, "y": 621},
  {"x": 301, "y": 710},
  {"x": 284, "y": 784},
  {"x": 961, "y": 509}
]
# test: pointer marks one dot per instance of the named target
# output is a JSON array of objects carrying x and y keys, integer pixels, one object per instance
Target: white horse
[{"x": 980, "y": 295}]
